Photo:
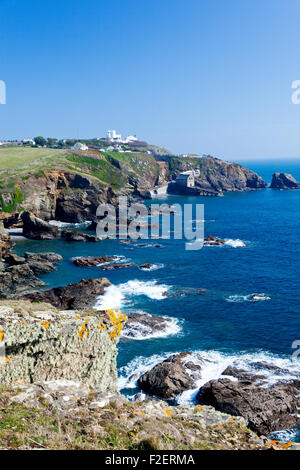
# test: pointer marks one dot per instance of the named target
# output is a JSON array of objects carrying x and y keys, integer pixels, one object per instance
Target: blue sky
[{"x": 207, "y": 76}]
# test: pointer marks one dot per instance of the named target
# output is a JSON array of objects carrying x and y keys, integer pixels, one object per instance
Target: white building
[
  {"x": 28, "y": 141},
  {"x": 80, "y": 146},
  {"x": 186, "y": 179},
  {"x": 113, "y": 136}
]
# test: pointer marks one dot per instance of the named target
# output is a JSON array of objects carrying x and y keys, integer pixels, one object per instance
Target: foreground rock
[
  {"x": 284, "y": 181},
  {"x": 93, "y": 420},
  {"x": 42, "y": 343},
  {"x": 172, "y": 376},
  {"x": 81, "y": 295},
  {"x": 267, "y": 408},
  {"x": 86, "y": 261}
]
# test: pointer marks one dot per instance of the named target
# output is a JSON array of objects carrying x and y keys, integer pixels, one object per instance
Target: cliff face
[
  {"x": 71, "y": 190},
  {"x": 42, "y": 343}
]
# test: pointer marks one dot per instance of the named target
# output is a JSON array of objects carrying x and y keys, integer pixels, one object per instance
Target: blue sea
[{"x": 261, "y": 255}]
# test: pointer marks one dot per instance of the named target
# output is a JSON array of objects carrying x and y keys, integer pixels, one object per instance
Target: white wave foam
[
  {"x": 117, "y": 296},
  {"x": 216, "y": 363},
  {"x": 139, "y": 331},
  {"x": 60, "y": 224},
  {"x": 288, "y": 435},
  {"x": 248, "y": 298},
  {"x": 154, "y": 267},
  {"x": 246, "y": 361},
  {"x": 235, "y": 243}
]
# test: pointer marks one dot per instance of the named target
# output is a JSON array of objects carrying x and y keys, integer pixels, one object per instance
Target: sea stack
[{"x": 284, "y": 181}]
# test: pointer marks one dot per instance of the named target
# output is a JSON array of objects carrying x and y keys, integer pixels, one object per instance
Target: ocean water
[{"x": 262, "y": 255}]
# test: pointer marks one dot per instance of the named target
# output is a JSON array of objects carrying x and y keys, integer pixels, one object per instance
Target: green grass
[{"x": 11, "y": 157}]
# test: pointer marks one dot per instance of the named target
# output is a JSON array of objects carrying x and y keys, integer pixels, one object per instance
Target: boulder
[
  {"x": 141, "y": 325},
  {"x": 213, "y": 241},
  {"x": 81, "y": 295},
  {"x": 284, "y": 181},
  {"x": 172, "y": 376},
  {"x": 267, "y": 408},
  {"x": 40, "y": 257}
]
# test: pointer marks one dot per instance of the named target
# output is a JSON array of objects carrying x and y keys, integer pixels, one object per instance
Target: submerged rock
[
  {"x": 284, "y": 181},
  {"x": 74, "y": 236},
  {"x": 211, "y": 241},
  {"x": 81, "y": 295},
  {"x": 267, "y": 408},
  {"x": 172, "y": 376},
  {"x": 141, "y": 325}
]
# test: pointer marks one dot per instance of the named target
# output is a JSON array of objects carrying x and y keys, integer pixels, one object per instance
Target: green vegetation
[
  {"x": 11, "y": 157},
  {"x": 15, "y": 198}
]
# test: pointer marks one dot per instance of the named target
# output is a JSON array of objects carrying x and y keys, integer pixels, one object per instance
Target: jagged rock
[
  {"x": 12, "y": 259},
  {"x": 18, "y": 279},
  {"x": 114, "y": 266},
  {"x": 87, "y": 261},
  {"x": 42, "y": 343},
  {"x": 81, "y": 295},
  {"x": 139, "y": 325},
  {"x": 284, "y": 181},
  {"x": 267, "y": 408},
  {"x": 37, "y": 229},
  {"x": 172, "y": 376},
  {"x": 74, "y": 236},
  {"x": 5, "y": 243},
  {"x": 40, "y": 257}
]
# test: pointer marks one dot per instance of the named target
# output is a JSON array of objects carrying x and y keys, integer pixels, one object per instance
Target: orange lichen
[
  {"x": 277, "y": 445},
  {"x": 1, "y": 335},
  {"x": 118, "y": 319},
  {"x": 83, "y": 329},
  {"x": 200, "y": 408},
  {"x": 168, "y": 412},
  {"x": 45, "y": 324}
]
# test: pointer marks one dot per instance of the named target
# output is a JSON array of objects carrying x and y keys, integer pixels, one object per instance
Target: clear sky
[{"x": 207, "y": 76}]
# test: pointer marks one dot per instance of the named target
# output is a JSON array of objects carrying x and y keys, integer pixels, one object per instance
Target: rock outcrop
[
  {"x": 284, "y": 181},
  {"x": 87, "y": 261},
  {"x": 81, "y": 295},
  {"x": 172, "y": 376},
  {"x": 18, "y": 279},
  {"x": 42, "y": 343},
  {"x": 267, "y": 408},
  {"x": 37, "y": 229}
]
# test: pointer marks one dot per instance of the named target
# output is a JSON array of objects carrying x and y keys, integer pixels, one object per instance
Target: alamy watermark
[
  {"x": 2, "y": 92},
  {"x": 138, "y": 221},
  {"x": 296, "y": 94}
]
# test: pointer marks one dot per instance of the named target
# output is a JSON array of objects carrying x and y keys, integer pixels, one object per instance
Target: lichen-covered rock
[{"x": 42, "y": 343}]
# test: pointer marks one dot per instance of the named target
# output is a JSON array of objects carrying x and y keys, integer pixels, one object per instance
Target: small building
[
  {"x": 186, "y": 179},
  {"x": 28, "y": 142},
  {"x": 197, "y": 172},
  {"x": 80, "y": 146}
]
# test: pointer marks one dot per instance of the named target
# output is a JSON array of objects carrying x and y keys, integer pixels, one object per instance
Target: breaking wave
[
  {"x": 139, "y": 330},
  {"x": 235, "y": 243},
  {"x": 248, "y": 298},
  {"x": 121, "y": 295}
]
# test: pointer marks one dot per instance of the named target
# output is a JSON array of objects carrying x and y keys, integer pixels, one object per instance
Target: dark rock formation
[
  {"x": 41, "y": 257},
  {"x": 146, "y": 266},
  {"x": 74, "y": 236},
  {"x": 284, "y": 181},
  {"x": 18, "y": 279},
  {"x": 171, "y": 377},
  {"x": 139, "y": 325},
  {"x": 267, "y": 408},
  {"x": 87, "y": 261},
  {"x": 213, "y": 241},
  {"x": 114, "y": 266},
  {"x": 37, "y": 229},
  {"x": 81, "y": 295}
]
